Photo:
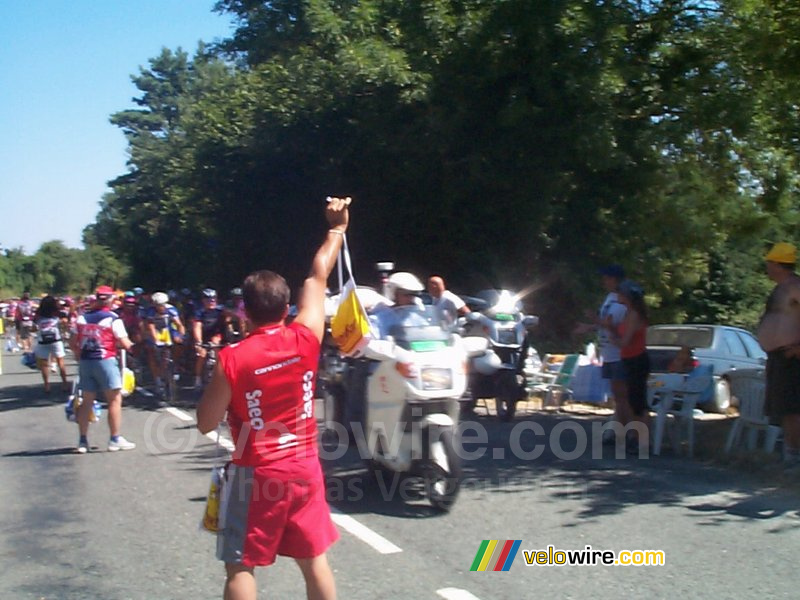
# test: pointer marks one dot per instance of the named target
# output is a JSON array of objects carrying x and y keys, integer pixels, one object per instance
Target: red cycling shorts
[{"x": 277, "y": 509}]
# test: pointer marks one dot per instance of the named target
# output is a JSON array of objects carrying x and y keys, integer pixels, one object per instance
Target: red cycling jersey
[{"x": 272, "y": 375}]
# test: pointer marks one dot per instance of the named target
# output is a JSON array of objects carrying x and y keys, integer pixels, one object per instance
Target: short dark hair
[{"x": 265, "y": 295}]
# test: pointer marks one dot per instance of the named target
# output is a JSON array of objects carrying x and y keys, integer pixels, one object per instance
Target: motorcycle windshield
[{"x": 419, "y": 329}]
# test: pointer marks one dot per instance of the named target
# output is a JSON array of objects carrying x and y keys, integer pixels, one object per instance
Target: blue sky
[{"x": 65, "y": 66}]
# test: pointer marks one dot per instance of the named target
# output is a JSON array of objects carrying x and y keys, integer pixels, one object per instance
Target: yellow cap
[{"x": 782, "y": 252}]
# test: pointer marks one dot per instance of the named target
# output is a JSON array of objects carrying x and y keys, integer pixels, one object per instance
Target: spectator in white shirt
[{"x": 446, "y": 301}]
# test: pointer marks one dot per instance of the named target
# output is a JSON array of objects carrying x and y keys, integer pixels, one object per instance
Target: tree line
[
  {"x": 514, "y": 143},
  {"x": 56, "y": 269}
]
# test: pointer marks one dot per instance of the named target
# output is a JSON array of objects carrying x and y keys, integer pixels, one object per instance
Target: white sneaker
[
  {"x": 120, "y": 444},
  {"x": 82, "y": 448}
]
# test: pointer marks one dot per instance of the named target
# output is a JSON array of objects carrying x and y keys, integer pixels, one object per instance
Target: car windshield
[
  {"x": 692, "y": 337},
  {"x": 419, "y": 328}
]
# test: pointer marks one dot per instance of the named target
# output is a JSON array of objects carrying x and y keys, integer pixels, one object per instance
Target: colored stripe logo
[{"x": 495, "y": 555}]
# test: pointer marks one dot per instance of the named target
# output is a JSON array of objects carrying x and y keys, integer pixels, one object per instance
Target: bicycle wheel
[{"x": 167, "y": 372}]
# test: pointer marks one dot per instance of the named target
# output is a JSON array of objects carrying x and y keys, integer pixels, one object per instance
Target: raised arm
[{"x": 311, "y": 304}]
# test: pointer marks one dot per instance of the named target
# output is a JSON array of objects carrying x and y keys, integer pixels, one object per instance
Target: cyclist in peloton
[
  {"x": 208, "y": 328},
  {"x": 129, "y": 313},
  {"x": 163, "y": 327},
  {"x": 236, "y": 318},
  {"x": 188, "y": 305}
]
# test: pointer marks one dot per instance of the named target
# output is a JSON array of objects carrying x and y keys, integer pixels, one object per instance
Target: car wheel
[{"x": 722, "y": 396}]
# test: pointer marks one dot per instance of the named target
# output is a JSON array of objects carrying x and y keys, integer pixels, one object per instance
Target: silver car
[{"x": 724, "y": 349}]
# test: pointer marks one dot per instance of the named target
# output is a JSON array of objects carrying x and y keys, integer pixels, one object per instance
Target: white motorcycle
[
  {"x": 500, "y": 371},
  {"x": 412, "y": 401}
]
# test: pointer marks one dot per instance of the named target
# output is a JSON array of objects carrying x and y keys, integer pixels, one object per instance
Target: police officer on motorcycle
[{"x": 403, "y": 290}]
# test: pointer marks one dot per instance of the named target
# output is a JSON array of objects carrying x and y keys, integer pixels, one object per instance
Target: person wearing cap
[
  {"x": 607, "y": 319},
  {"x": 96, "y": 336},
  {"x": 778, "y": 333}
]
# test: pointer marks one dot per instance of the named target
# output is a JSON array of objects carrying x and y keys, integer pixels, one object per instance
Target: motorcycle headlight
[{"x": 436, "y": 378}]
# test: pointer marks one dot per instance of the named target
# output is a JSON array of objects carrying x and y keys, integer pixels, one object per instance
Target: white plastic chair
[
  {"x": 659, "y": 384},
  {"x": 750, "y": 389},
  {"x": 677, "y": 404}
]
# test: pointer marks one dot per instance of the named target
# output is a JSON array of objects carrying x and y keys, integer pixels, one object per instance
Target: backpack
[{"x": 48, "y": 331}]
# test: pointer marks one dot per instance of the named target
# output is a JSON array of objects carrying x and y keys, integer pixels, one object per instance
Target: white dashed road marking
[
  {"x": 456, "y": 594},
  {"x": 212, "y": 435},
  {"x": 178, "y": 413},
  {"x": 364, "y": 533}
]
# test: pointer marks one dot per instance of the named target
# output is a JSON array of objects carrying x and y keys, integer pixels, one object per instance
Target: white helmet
[
  {"x": 403, "y": 281},
  {"x": 160, "y": 298}
]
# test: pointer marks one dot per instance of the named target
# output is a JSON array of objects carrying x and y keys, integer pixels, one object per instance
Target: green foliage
[
  {"x": 513, "y": 143},
  {"x": 56, "y": 269}
]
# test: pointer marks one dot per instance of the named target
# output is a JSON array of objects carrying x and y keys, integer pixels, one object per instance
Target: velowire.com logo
[{"x": 495, "y": 555}]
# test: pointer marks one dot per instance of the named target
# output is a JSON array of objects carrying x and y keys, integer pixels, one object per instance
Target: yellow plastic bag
[
  {"x": 128, "y": 377},
  {"x": 128, "y": 382},
  {"x": 350, "y": 326}
]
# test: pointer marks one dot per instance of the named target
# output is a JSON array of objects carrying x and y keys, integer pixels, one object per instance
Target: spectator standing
[
  {"x": 606, "y": 321},
  {"x": 49, "y": 343},
  {"x": 266, "y": 385},
  {"x": 632, "y": 340},
  {"x": 23, "y": 321},
  {"x": 94, "y": 343},
  {"x": 779, "y": 335}
]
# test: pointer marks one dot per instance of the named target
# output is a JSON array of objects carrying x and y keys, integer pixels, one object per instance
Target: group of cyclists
[{"x": 186, "y": 325}]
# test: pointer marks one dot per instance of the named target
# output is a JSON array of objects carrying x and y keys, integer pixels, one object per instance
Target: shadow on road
[
  {"x": 15, "y": 397},
  {"x": 46, "y": 452},
  {"x": 506, "y": 463}
]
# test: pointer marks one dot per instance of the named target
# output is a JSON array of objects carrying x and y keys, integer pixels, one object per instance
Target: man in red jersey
[{"x": 274, "y": 499}]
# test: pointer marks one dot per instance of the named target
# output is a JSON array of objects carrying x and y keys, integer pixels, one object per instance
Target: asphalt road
[{"x": 125, "y": 525}]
